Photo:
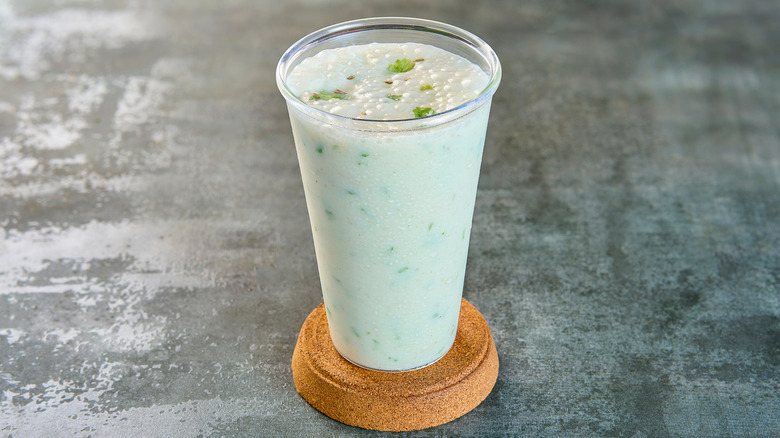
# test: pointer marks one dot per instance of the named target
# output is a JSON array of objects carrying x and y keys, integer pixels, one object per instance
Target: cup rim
[{"x": 389, "y": 23}]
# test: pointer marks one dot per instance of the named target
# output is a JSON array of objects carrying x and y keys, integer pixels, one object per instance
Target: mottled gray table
[{"x": 156, "y": 262}]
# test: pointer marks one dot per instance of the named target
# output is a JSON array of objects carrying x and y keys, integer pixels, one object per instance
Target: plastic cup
[{"x": 391, "y": 203}]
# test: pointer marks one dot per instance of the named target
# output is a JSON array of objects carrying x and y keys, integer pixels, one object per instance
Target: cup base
[
  {"x": 396, "y": 401},
  {"x": 393, "y": 371}
]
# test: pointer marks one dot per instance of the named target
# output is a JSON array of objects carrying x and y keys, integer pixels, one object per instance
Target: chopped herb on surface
[
  {"x": 326, "y": 95},
  {"x": 395, "y": 97},
  {"x": 426, "y": 87},
  {"x": 404, "y": 269},
  {"x": 401, "y": 66},
  {"x": 423, "y": 112}
]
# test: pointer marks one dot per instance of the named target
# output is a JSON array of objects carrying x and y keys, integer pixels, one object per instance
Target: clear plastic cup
[{"x": 391, "y": 203}]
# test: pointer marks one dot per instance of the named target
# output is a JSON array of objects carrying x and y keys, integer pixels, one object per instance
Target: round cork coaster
[{"x": 396, "y": 401}]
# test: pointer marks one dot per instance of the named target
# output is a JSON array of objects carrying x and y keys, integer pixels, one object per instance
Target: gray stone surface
[{"x": 156, "y": 262}]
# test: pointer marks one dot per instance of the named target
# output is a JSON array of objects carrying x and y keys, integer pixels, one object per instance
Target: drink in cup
[{"x": 389, "y": 117}]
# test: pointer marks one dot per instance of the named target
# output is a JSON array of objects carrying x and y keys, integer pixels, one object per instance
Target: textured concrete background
[{"x": 156, "y": 262}]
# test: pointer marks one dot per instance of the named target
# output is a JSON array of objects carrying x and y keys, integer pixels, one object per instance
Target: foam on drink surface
[{"x": 355, "y": 81}]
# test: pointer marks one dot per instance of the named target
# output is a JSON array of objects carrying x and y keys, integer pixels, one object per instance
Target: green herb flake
[
  {"x": 319, "y": 149},
  {"x": 395, "y": 97},
  {"x": 404, "y": 269},
  {"x": 326, "y": 95},
  {"x": 329, "y": 214},
  {"x": 401, "y": 66},
  {"x": 426, "y": 87},
  {"x": 423, "y": 112}
]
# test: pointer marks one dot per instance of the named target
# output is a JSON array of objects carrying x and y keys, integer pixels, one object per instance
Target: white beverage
[{"x": 390, "y": 203}]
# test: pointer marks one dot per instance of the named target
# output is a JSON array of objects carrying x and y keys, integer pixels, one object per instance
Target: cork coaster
[{"x": 403, "y": 401}]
